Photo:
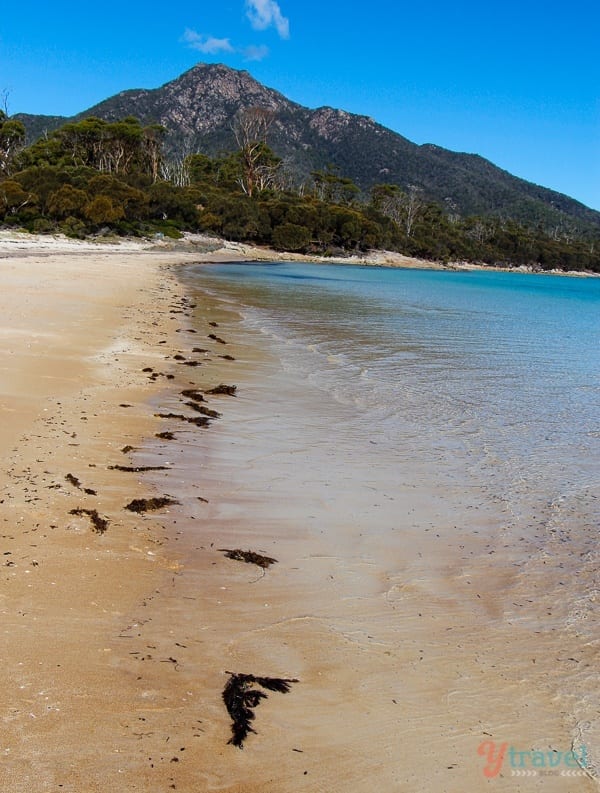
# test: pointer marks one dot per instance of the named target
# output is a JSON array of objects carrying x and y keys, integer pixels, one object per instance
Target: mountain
[{"x": 197, "y": 110}]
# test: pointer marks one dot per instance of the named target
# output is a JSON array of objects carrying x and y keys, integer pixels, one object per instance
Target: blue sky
[{"x": 516, "y": 82}]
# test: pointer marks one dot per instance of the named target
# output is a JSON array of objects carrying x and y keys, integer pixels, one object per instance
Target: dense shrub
[{"x": 291, "y": 237}]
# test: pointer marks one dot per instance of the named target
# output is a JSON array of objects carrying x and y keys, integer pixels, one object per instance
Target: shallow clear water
[
  {"x": 492, "y": 374},
  {"x": 439, "y": 434}
]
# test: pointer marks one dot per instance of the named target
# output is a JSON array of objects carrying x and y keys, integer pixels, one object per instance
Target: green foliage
[
  {"x": 67, "y": 201},
  {"x": 202, "y": 168},
  {"x": 330, "y": 186},
  {"x": 73, "y": 227},
  {"x": 291, "y": 237},
  {"x": 118, "y": 147},
  {"x": 94, "y": 176},
  {"x": 168, "y": 202},
  {"x": 102, "y": 210},
  {"x": 13, "y": 198}
]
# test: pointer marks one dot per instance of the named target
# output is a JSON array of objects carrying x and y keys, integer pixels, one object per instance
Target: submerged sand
[{"x": 116, "y": 645}]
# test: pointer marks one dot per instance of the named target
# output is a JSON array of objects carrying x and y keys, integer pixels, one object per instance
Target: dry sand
[
  {"x": 77, "y": 328},
  {"x": 116, "y": 645}
]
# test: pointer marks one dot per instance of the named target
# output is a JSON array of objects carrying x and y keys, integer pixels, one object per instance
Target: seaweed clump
[
  {"x": 251, "y": 557},
  {"x": 193, "y": 393},
  {"x": 149, "y": 504},
  {"x": 240, "y": 699},
  {"x": 100, "y": 524},
  {"x": 73, "y": 480},
  {"x": 228, "y": 390},
  {"x": 213, "y": 414}
]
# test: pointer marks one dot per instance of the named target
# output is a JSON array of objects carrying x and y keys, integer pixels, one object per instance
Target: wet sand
[
  {"x": 116, "y": 646},
  {"x": 407, "y": 657}
]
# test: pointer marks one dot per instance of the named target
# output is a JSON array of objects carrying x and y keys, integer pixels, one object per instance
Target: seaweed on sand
[
  {"x": 199, "y": 421},
  {"x": 240, "y": 699},
  {"x": 73, "y": 480},
  {"x": 213, "y": 414},
  {"x": 166, "y": 436},
  {"x": 193, "y": 393},
  {"x": 100, "y": 524},
  {"x": 216, "y": 338},
  {"x": 137, "y": 469},
  {"x": 228, "y": 390},
  {"x": 251, "y": 557},
  {"x": 149, "y": 504}
]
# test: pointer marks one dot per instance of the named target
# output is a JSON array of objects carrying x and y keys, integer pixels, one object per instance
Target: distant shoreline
[{"x": 214, "y": 249}]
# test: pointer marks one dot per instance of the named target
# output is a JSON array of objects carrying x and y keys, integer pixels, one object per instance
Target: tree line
[{"x": 95, "y": 177}]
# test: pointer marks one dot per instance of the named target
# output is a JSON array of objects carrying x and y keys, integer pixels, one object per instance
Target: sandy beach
[
  {"x": 118, "y": 638},
  {"x": 79, "y": 323}
]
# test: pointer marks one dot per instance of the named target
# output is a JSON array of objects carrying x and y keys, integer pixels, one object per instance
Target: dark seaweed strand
[
  {"x": 100, "y": 524},
  {"x": 73, "y": 480},
  {"x": 199, "y": 421},
  {"x": 148, "y": 504},
  {"x": 138, "y": 469},
  {"x": 228, "y": 390},
  {"x": 240, "y": 700},
  {"x": 193, "y": 393},
  {"x": 213, "y": 414},
  {"x": 251, "y": 557},
  {"x": 281, "y": 684}
]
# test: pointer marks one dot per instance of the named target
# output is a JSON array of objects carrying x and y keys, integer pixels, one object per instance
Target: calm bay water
[{"x": 496, "y": 373}]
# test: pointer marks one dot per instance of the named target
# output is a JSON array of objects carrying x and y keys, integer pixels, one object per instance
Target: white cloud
[
  {"x": 255, "y": 53},
  {"x": 266, "y": 13},
  {"x": 206, "y": 44}
]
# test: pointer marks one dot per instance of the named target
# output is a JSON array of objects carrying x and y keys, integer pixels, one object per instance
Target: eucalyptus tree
[{"x": 12, "y": 140}]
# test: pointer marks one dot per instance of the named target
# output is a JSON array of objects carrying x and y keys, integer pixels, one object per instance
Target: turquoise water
[{"x": 495, "y": 374}]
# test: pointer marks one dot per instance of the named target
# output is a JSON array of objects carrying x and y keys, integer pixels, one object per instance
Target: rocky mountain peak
[{"x": 198, "y": 107}]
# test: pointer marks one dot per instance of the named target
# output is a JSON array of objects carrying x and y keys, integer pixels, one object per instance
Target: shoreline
[
  {"x": 215, "y": 249},
  {"x": 95, "y": 617}
]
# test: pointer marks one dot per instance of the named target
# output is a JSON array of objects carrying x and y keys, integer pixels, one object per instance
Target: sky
[{"x": 517, "y": 82}]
